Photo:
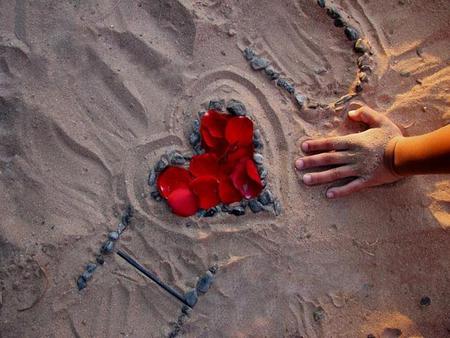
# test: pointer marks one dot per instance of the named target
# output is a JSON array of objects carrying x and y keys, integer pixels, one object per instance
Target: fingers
[
  {"x": 330, "y": 175},
  {"x": 354, "y": 186},
  {"x": 366, "y": 115},
  {"x": 323, "y": 159},
  {"x": 326, "y": 144}
]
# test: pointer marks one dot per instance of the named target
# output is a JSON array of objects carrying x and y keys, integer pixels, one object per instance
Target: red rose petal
[
  {"x": 215, "y": 123},
  {"x": 183, "y": 202},
  {"x": 239, "y": 153},
  {"x": 252, "y": 171},
  {"x": 204, "y": 165},
  {"x": 239, "y": 130},
  {"x": 228, "y": 192},
  {"x": 248, "y": 186},
  {"x": 173, "y": 178},
  {"x": 207, "y": 190}
]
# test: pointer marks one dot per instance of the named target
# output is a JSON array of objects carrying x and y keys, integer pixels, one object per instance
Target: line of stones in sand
[
  {"x": 106, "y": 248},
  {"x": 265, "y": 201},
  {"x": 364, "y": 62}
]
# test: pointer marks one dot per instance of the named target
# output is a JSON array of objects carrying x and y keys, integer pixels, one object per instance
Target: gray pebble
[
  {"x": 87, "y": 275},
  {"x": 191, "y": 297},
  {"x": 301, "y": 99},
  {"x": 257, "y": 134},
  {"x": 266, "y": 197},
  {"x": 162, "y": 163},
  {"x": 81, "y": 283},
  {"x": 255, "y": 206},
  {"x": 276, "y": 207},
  {"x": 107, "y": 247},
  {"x": 225, "y": 208},
  {"x": 201, "y": 113},
  {"x": 156, "y": 195},
  {"x": 214, "y": 268},
  {"x": 218, "y": 105},
  {"x": 351, "y": 33},
  {"x": 176, "y": 158},
  {"x": 358, "y": 86},
  {"x": 361, "y": 46},
  {"x": 333, "y": 13},
  {"x": 269, "y": 71},
  {"x": 339, "y": 22},
  {"x": 285, "y": 85},
  {"x": 121, "y": 227},
  {"x": 198, "y": 149},
  {"x": 259, "y": 63},
  {"x": 211, "y": 212},
  {"x": 321, "y": 3},
  {"x": 262, "y": 172},
  {"x": 194, "y": 138},
  {"x": 258, "y": 144},
  {"x": 237, "y": 211},
  {"x": 113, "y": 235},
  {"x": 100, "y": 259},
  {"x": 90, "y": 267},
  {"x": 258, "y": 158},
  {"x": 236, "y": 107},
  {"x": 152, "y": 178},
  {"x": 204, "y": 282},
  {"x": 249, "y": 53},
  {"x": 186, "y": 310},
  {"x": 318, "y": 314},
  {"x": 196, "y": 125}
]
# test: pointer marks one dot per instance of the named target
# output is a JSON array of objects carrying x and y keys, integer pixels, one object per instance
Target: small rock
[
  {"x": 259, "y": 63},
  {"x": 358, "y": 86},
  {"x": 176, "y": 158},
  {"x": 249, "y": 53},
  {"x": 312, "y": 104},
  {"x": 152, "y": 178},
  {"x": 262, "y": 172},
  {"x": 225, "y": 208},
  {"x": 236, "y": 107},
  {"x": 275, "y": 76},
  {"x": 107, "y": 247},
  {"x": 100, "y": 259},
  {"x": 194, "y": 138},
  {"x": 218, "y": 105},
  {"x": 339, "y": 22},
  {"x": 204, "y": 282},
  {"x": 319, "y": 314},
  {"x": 366, "y": 69},
  {"x": 351, "y": 33},
  {"x": 258, "y": 158},
  {"x": 186, "y": 310},
  {"x": 90, "y": 267},
  {"x": 301, "y": 99},
  {"x": 231, "y": 32},
  {"x": 113, "y": 235},
  {"x": 191, "y": 297},
  {"x": 211, "y": 212},
  {"x": 214, "y": 268},
  {"x": 425, "y": 301},
  {"x": 201, "y": 113},
  {"x": 361, "y": 46},
  {"x": 87, "y": 275},
  {"x": 258, "y": 144},
  {"x": 321, "y": 3},
  {"x": 162, "y": 164},
  {"x": 255, "y": 206},
  {"x": 125, "y": 220},
  {"x": 269, "y": 71},
  {"x": 266, "y": 197},
  {"x": 363, "y": 77},
  {"x": 237, "y": 211},
  {"x": 333, "y": 13},
  {"x": 285, "y": 85},
  {"x": 196, "y": 125},
  {"x": 276, "y": 207},
  {"x": 121, "y": 227},
  {"x": 81, "y": 283},
  {"x": 156, "y": 195}
]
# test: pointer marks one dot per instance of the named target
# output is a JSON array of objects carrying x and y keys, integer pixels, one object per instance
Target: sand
[{"x": 93, "y": 92}]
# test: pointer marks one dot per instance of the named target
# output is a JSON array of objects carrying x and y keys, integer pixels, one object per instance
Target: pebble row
[
  {"x": 106, "y": 248},
  {"x": 265, "y": 201},
  {"x": 361, "y": 46},
  {"x": 203, "y": 284}
]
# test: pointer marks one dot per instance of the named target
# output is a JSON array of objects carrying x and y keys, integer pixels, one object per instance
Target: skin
[{"x": 359, "y": 156}]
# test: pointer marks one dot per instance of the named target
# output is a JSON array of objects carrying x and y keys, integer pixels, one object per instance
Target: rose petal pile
[{"x": 225, "y": 173}]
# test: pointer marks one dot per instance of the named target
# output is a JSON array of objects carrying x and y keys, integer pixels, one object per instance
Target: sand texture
[{"x": 93, "y": 92}]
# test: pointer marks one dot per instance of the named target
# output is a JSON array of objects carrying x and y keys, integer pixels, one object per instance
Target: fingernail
[
  {"x": 305, "y": 146},
  {"x": 330, "y": 194},
  {"x": 299, "y": 164},
  {"x": 352, "y": 113},
  {"x": 307, "y": 178}
]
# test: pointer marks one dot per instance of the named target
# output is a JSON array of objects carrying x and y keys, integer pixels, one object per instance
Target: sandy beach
[{"x": 92, "y": 93}]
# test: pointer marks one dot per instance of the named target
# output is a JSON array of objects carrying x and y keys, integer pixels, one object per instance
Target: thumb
[{"x": 367, "y": 116}]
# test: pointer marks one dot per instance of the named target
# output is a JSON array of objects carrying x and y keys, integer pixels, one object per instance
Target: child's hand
[{"x": 358, "y": 155}]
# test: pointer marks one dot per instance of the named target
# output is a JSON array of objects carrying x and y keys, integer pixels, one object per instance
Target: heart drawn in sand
[{"x": 224, "y": 173}]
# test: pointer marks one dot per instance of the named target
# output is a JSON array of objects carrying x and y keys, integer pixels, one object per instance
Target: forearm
[{"x": 424, "y": 154}]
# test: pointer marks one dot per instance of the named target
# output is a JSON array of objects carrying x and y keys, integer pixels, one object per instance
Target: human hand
[{"x": 359, "y": 156}]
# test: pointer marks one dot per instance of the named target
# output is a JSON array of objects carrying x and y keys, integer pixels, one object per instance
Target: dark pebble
[
  {"x": 81, "y": 283},
  {"x": 152, "y": 178},
  {"x": 194, "y": 138},
  {"x": 225, "y": 208},
  {"x": 333, "y": 13},
  {"x": 204, "y": 282},
  {"x": 259, "y": 63},
  {"x": 366, "y": 69},
  {"x": 90, "y": 267},
  {"x": 285, "y": 85},
  {"x": 125, "y": 220},
  {"x": 196, "y": 125},
  {"x": 237, "y": 211},
  {"x": 176, "y": 158},
  {"x": 100, "y": 259},
  {"x": 361, "y": 46},
  {"x": 262, "y": 173},
  {"x": 121, "y": 228},
  {"x": 113, "y": 235},
  {"x": 156, "y": 195},
  {"x": 211, "y": 212},
  {"x": 255, "y": 206},
  {"x": 214, "y": 268},
  {"x": 266, "y": 197},
  {"x": 257, "y": 134},
  {"x": 319, "y": 314},
  {"x": 191, "y": 297},
  {"x": 162, "y": 164},
  {"x": 425, "y": 301},
  {"x": 186, "y": 310},
  {"x": 269, "y": 71},
  {"x": 351, "y": 33},
  {"x": 358, "y": 86},
  {"x": 236, "y": 107},
  {"x": 258, "y": 158},
  {"x": 301, "y": 99},
  {"x": 339, "y": 22},
  {"x": 321, "y": 3},
  {"x": 107, "y": 247},
  {"x": 87, "y": 275},
  {"x": 218, "y": 105},
  {"x": 371, "y": 336},
  {"x": 276, "y": 207},
  {"x": 249, "y": 53},
  {"x": 201, "y": 113},
  {"x": 198, "y": 149},
  {"x": 363, "y": 77},
  {"x": 258, "y": 144}
]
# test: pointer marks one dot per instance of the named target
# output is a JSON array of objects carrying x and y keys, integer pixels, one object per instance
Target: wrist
[{"x": 389, "y": 155}]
